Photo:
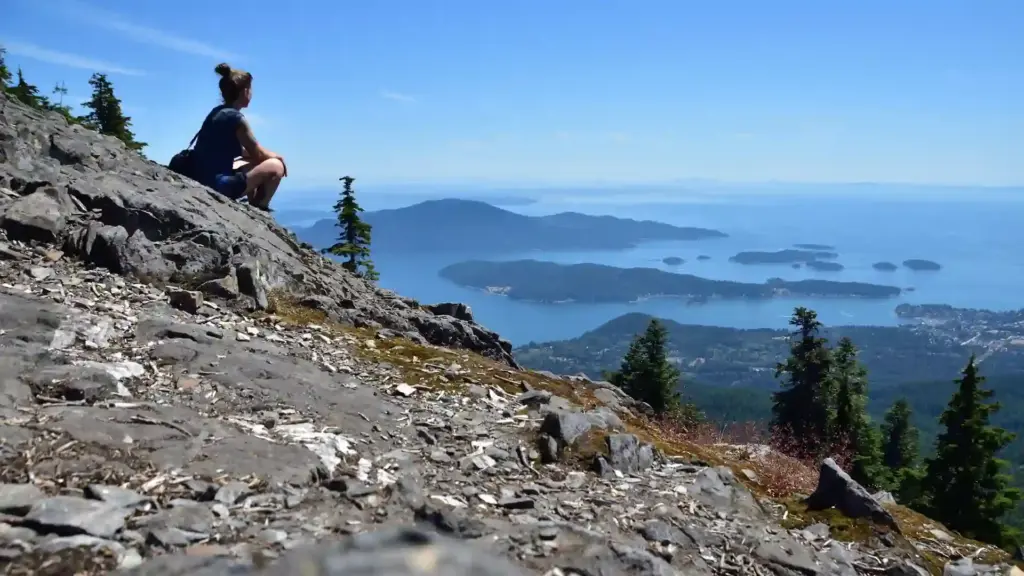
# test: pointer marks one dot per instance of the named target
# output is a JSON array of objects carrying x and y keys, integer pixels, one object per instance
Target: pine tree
[
  {"x": 27, "y": 93},
  {"x": 802, "y": 410},
  {"x": 851, "y": 427},
  {"x": 60, "y": 91},
  {"x": 5, "y": 72},
  {"x": 965, "y": 486},
  {"x": 105, "y": 113},
  {"x": 899, "y": 437},
  {"x": 646, "y": 374},
  {"x": 354, "y": 240}
]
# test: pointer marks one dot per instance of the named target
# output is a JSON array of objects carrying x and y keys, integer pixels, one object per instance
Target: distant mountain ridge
[
  {"x": 731, "y": 357},
  {"x": 455, "y": 225}
]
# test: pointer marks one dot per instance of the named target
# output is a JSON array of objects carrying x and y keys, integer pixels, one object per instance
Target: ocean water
[{"x": 977, "y": 237}]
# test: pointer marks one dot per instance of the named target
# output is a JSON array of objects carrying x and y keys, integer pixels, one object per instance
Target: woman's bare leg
[{"x": 262, "y": 180}]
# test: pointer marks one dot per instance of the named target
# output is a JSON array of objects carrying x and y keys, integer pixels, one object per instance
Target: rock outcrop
[
  {"x": 151, "y": 424},
  {"x": 71, "y": 189}
]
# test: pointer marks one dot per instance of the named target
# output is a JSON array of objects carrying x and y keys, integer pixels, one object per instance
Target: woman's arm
[{"x": 251, "y": 149}]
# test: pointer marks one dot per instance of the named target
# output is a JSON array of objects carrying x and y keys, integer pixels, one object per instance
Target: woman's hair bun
[{"x": 223, "y": 69}]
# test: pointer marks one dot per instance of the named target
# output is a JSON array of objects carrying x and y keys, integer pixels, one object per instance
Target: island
[
  {"x": 822, "y": 266},
  {"x": 825, "y": 247},
  {"x": 672, "y": 260},
  {"x": 918, "y": 264},
  {"x": 782, "y": 256},
  {"x": 703, "y": 257},
  {"x": 550, "y": 282},
  {"x": 884, "y": 266},
  {"x": 478, "y": 229}
]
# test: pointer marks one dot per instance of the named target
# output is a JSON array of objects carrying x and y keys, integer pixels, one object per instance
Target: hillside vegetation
[{"x": 729, "y": 357}]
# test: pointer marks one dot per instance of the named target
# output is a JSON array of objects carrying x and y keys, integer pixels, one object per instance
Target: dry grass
[
  {"x": 738, "y": 447},
  {"x": 426, "y": 365},
  {"x": 779, "y": 477}
]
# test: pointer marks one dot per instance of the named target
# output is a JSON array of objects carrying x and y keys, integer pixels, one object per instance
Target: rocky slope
[
  {"x": 83, "y": 193},
  {"x": 184, "y": 389}
]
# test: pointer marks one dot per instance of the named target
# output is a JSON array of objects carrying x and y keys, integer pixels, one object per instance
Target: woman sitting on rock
[{"x": 227, "y": 156}]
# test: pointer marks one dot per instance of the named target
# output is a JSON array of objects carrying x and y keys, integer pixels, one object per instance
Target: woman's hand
[{"x": 283, "y": 163}]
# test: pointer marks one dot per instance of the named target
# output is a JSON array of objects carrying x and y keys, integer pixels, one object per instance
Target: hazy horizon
[{"x": 374, "y": 197}]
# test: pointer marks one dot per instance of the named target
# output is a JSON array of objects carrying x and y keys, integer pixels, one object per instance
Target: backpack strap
[{"x": 205, "y": 122}]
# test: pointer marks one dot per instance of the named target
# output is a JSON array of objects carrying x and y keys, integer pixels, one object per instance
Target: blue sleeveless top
[{"x": 217, "y": 146}]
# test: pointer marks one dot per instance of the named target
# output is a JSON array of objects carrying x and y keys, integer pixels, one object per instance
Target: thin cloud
[
  {"x": 255, "y": 119},
  {"x": 397, "y": 96},
  {"x": 66, "y": 59},
  {"x": 146, "y": 34}
]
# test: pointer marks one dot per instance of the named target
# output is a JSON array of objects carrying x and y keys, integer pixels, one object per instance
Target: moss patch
[
  {"x": 582, "y": 453},
  {"x": 841, "y": 527},
  {"x": 287, "y": 309},
  {"x": 918, "y": 526}
]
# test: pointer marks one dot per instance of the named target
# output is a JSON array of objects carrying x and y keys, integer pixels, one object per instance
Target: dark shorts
[{"x": 231, "y": 185}]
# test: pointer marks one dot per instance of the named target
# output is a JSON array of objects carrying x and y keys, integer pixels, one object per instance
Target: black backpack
[{"x": 182, "y": 161}]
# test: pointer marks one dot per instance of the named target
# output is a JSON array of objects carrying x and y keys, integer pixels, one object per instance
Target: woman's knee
[{"x": 275, "y": 167}]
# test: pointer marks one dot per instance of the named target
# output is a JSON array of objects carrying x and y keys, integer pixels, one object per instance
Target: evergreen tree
[
  {"x": 965, "y": 486},
  {"x": 899, "y": 437},
  {"x": 60, "y": 91},
  {"x": 105, "y": 113},
  {"x": 27, "y": 93},
  {"x": 646, "y": 374},
  {"x": 802, "y": 410},
  {"x": 5, "y": 72},
  {"x": 851, "y": 427},
  {"x": 354, "y": 240}
]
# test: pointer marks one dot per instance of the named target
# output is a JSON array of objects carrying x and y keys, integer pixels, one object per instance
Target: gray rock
[
  {"x": 68, "y": 515},
  {"x": 18, "y": 498},
  {"x": 787, "y": 554},
  {"x": 169, "y": 536},
  {"x": 836, "y": 489},
  {"x": 884, "y": 497},
  {"x": 187, "y": 300},
  {"x": 11, "y": 534},
  {"x": 718, "y": 489},
  {"x": 39, "y": 216},
  {"x": 226, "y": 287},
  {"x": 627, "y": 454},
  {"x": 663, "y": 532},
  {"x": 115, "y": 495},
  {"x": 399, "y": 552},
  {"x": 566, "y": 427},
  {"x": 232, "y": 493},
  {"x": 548, "y": 448},
  {"x": 534, "y": 397},
  {"x": 454, "y": 309},
  {"x": 517, "y": 503},
  {"x": 251, "y": 282},
  {"x": 959, "y": 567},
  {"x": 184, "y": 515},
  {"x": 53, "y": 545}
]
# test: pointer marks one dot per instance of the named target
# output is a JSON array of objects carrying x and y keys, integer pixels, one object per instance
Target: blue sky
[{"x": 555, "y": 92}]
